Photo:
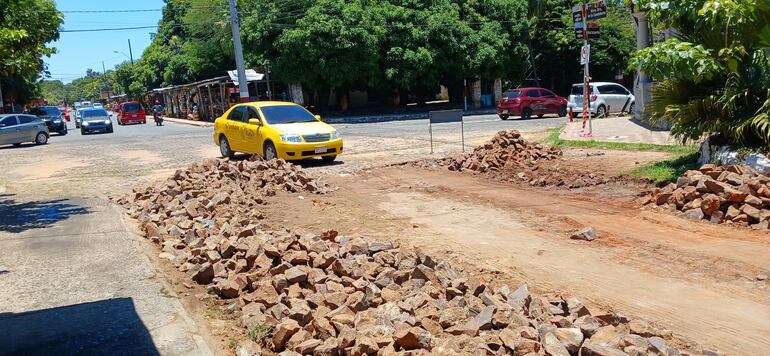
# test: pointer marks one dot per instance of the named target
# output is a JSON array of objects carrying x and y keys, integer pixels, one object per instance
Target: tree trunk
[{"x": 532, "y": 58}]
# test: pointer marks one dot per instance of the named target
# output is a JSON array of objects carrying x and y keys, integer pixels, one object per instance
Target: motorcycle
[{"x": 158, "y": 118}]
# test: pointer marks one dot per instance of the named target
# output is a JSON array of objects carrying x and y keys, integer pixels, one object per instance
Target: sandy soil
[
  {"x": 46, "y": 168},
  {"x": 694, "y": 279}
]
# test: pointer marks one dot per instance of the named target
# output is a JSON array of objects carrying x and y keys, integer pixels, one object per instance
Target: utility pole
[
  {"x": 586, "y": 80},
  {"x": 267, "y": 78},
  {"x": 243, "y": 84},
  {"x": 2, "y": 105},
  {"x": 104, "y": 74},
  {"x": 130, "y": 53}
]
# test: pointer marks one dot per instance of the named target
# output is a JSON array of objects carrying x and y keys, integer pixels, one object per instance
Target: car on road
[
  {"x": 606, "y": 98},
  {"x": 97, "y": 106},
  {"x": 526, "y": 102},
  {"x": 275, "y": 129},
  {"x": 16, "y": 129},
  {"x": 131, "y": 112},
  {"x": 52, "y": 118},
  {"x": 77, "y": 117},
  {"x": 93, "y": 119}
]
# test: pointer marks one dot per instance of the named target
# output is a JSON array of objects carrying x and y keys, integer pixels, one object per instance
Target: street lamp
[{"x": 123, "y": 53}]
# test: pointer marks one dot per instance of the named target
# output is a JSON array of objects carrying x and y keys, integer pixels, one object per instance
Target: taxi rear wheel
[
  {"x": 270, "y": 153},
  {"x": 224, "y": 148}
]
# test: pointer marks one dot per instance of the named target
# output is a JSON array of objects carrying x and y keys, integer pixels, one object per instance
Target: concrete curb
[
  {"x": 394, "y": 117},
  {"x": 184, "y": 121}
]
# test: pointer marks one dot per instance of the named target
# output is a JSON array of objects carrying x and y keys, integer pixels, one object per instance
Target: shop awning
[{"x": 251, "y": 75}]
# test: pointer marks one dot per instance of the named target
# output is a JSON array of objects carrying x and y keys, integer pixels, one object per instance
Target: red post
[
  {"x": 570, "y": 114},
  {"x": 607, "y": 114}
]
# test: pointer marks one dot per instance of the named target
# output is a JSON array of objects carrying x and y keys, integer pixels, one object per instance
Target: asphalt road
[{"x": 148, "y": 131}]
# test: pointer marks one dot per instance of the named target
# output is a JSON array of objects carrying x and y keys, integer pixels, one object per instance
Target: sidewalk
[
  {"x": 616, "y": 129},
  {"x": 183, "y": 121},
  {"x": 76, "y": 280}
]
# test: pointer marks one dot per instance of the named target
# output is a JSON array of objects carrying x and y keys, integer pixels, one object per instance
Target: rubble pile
[
  {"x": 505, "y": 150},
  {"x": 201, "y": 188},
  {"x": 329, "y": 294},
  {"x": 720, "y": 194},
  {"x": 509, "y": 157}
]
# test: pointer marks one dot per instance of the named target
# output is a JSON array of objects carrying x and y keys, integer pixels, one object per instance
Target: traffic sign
[
  {"x": 596, "y": 10},
  {"x": 585, "y": 54},
  {"x": 593, "y": 30}
]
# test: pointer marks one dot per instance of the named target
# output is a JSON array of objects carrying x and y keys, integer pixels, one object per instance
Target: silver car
[
  {"x": 16, "y": 129},
  {"x": 606, "y": 98}
]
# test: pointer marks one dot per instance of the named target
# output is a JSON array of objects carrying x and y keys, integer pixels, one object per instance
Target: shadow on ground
[
  {"x": 21, "y": 216},
  {"x": 105, "y": 327}
]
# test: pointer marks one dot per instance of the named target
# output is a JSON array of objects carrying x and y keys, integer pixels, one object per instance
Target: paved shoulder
[{"x": 75, "y": 280}]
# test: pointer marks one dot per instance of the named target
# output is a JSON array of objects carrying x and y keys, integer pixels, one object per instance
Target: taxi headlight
[
  {"x": 291, "y": 138},
  {"x": 335, "y": 135}
]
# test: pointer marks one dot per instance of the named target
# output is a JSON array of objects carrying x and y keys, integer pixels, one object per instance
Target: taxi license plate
[{"x": 320, "y": 150}]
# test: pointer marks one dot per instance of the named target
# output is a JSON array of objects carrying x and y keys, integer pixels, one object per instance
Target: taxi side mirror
[
  {"x": 255, "y": 122},
  {"x": 317, "y": 117}
]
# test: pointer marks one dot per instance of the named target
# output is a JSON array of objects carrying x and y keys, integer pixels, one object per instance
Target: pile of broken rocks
[
  {"x": 505, "y": 150},
  {"x": 328, "y": 294},
  {"x": 721, "y": 194},
  {"x": 509, "y": 157}
]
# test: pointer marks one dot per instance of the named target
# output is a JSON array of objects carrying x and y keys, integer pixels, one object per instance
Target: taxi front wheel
[
  {"x": 329, "y": 159},
  {"x": 224, "y": 148},
  {"x": 269, "y": 151}
]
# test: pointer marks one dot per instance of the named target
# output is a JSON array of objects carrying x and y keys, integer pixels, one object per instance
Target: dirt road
[{"x": 694, "y": 279}]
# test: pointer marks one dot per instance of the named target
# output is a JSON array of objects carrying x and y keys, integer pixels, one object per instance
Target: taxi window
[{"x": 237, "y": 114}]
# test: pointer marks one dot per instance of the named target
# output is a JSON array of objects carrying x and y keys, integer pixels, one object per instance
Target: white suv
[{"x": 606, "y": 98}]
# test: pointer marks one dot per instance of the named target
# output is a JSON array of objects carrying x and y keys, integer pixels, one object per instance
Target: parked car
[
  {"x": 131, "y": 112},
  {"x": 97, "y": 106},
  {"x": 92, "y": 119},
  {"x": 52, "y": 118},
  {"x": 526, "y": 102},
  {"x": 605, "y": 98},
  {"x": 274, "y": 129},
  {"x": 16, "y": 129}
]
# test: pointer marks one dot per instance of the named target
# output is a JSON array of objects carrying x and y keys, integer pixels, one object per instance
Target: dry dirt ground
[{"x": 695, "y": 279}]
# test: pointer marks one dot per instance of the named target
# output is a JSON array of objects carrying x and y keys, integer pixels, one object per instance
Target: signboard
[
  {"x": 596, "y": 10},
  {"x": 585, "y": 54},
  {"x": 593, "y": 30},
  {"x": 577, "y": 13},
  {"x": 445, "y": 116}
]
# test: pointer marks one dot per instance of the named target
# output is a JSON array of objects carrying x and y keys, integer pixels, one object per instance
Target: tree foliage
[
  {"x": 557, "y": 51},
  {"x": 26, "y": 27},
  {"x": 713, "y": 77},
  {"x": 388, "y": 46}
]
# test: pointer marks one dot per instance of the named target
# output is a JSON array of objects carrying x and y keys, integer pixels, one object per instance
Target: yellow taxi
[{"x": 276, "y": 129}]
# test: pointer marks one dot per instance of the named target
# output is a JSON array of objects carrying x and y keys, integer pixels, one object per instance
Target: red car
[
  {"x": 131, "y": 112},
  {"x": 526, "y": 102}
]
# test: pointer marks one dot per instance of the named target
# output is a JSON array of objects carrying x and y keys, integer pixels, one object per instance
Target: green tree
[
  {"x": 557, "y": 51},
  {"x": 26, "y": 27},
  {"x": 713, "y": 77},
  {"x": 53, "y": 90}
]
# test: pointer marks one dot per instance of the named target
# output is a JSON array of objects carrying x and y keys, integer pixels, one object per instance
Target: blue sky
[{"x": 79, "y": 51}]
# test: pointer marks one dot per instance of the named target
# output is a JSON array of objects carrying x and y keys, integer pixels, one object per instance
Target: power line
[
  {"x": 107, "y": 11},
  {"x": 110, "y": 29}
]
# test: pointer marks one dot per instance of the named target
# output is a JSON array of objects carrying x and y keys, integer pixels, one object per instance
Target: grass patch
[
  {"x": 554, "y": 140},
  {"x": 260, "y": 331},
  {"x": 166, "y": 293},
  {"x": 668, "y": 170}
]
